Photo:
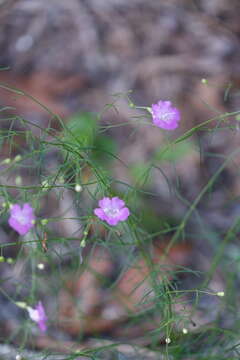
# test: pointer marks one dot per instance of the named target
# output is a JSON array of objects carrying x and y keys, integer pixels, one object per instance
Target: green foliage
[
  {"x": 82, "y": 129},
  {"x": 82, "y": 154},
  {"x": 176, "y": 152}
]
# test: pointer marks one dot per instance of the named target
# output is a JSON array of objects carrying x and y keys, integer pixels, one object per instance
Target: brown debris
[{"x": 86, "y": 308}]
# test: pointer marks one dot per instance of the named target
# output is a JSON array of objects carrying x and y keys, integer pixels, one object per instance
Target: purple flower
[
  {"x": 21, "y": 219},
  {"x": 112, "y": 210},
  {"x": 165, "y": 115},
  {"x": 38, "y": 315}
]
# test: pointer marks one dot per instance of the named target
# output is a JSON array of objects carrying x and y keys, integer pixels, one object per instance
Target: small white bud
[
  {"x": 185, "y": 331},
  {"x": 18, "y": 181},
  {"x": 18, "y": 158},
  {"x": 167, "y": 340},
  {"x": 220, "y": 293},
  {"x": 41, "y": 266},
  {"x": 18, "y": 357},
  {"x": 83, "y": 243},
  {"x": 44, "y": 221},
  {"x": 7, "y": 161},
  {"x": 204, "y": 81},
  {"x": 78, "y": 188}
]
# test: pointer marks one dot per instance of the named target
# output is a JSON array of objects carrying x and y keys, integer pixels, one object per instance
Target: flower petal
[
  {"x": 112, "y": 221},
  {"x": 38, "y": 315},
  {"x": 27, "y": 209},
  {"x": 105, "y": 202},
  {"x": 117, "y": 203},
  {"x": 124, "y": 214},
  {"x": 100, "y": 213},
  {"x": 15, "y": 209},
  {"x": 21, "y": 229}
]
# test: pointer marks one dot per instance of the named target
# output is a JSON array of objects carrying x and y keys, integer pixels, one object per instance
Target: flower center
[
  {"x": 112, "y": 212},
  {"x": 21, "y": 219},
  {"x": 34, "y": 314},
  {"x": 166, "y": 117}
]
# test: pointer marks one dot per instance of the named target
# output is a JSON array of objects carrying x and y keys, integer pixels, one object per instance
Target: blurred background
[{"x": 74, "y": 55}]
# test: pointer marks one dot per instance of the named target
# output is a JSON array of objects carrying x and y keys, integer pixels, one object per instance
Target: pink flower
[
  {"x": 21, "y": 219},
  {"x": 112, "y": 210},
  {"x": 38, "y": 315},
  {"x": 165, "y": 115}
]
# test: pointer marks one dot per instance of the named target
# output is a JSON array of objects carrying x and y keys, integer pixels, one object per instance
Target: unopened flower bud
[
  {"x": 41, "y": 266},
  {"x": 78, "y": 188},
  {"x": 167, "y": 340},
  {"x": 44, "y": 221},
  {"x": 21, "y": 304},
  {"x": 18, "y": 181},
  {"x": 7, "y": 161},
  {"x": 18, "y": 158},
  {"x": 83, "y": 243}
]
